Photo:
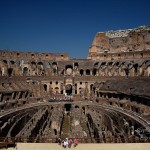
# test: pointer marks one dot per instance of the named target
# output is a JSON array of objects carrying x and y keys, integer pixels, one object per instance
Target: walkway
[{"x": 54, "y": 146}]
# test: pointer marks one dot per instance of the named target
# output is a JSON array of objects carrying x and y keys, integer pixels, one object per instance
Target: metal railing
[{"x": 13, "y": 140}]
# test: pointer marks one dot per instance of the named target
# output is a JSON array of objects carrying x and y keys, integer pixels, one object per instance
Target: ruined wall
[
  {"x": 120, "y": 41},
  {"x": 28, "y": 56}
]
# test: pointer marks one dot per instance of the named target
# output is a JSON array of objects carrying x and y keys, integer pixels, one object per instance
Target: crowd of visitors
[
  {"x": 62, "y": 98},
  {"x": 67, "y": 143}
]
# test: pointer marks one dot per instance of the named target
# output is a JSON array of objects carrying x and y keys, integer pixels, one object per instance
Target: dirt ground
[{"x": 55, "y": 146}]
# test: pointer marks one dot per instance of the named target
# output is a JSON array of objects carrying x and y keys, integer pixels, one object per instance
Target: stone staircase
[{"x": 66, "y": 127}]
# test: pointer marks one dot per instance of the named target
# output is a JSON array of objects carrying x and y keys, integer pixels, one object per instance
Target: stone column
[
  {"x": 84, "y": 72},
  {"x": 64, "y": 89},
  {"x": 73, "y": 89},
  {"x": 91, "y": 73}
]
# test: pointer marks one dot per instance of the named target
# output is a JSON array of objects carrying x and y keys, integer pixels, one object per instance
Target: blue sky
[{"x": 65, "y": 26}]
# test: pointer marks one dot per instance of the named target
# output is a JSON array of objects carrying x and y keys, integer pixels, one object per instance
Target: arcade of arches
[{"x": 104, "y": 98}]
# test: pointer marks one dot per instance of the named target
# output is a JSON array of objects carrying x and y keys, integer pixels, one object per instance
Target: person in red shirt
[{"x": 75, "y": 142}]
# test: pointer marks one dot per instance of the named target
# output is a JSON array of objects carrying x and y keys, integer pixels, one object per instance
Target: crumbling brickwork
[{"x": 104, "y": 98}]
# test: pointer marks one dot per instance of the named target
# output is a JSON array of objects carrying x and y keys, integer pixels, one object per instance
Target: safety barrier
[{"x": 10, "y": 141}]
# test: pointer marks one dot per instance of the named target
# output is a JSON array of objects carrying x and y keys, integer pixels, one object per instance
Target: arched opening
[
  {"x": 75, "y": 88},
  {"x": 47, "y": 64},
  {"x": 12, "y": 62},
  {"x": 96, "y": 64},
  {"x": 56, "y": 90},
  {"x": 91, "y": 88},
  {"x": 25, "y": 71},
  {"x": 40, "y": 63},
  {"x": 103, "y": 63},
  {"x": 55, "y": 131},
  {"x": 62, "y": 72},
  {"x": 75, "y": 65},
  {"x": 94, "y": 72},
  {"x": 135, "y": 69},
  {"x": 76, "y": 106},
  {"x": 69, "y": 69},
  {"x": 54, "y": 65},
  {"x": 117, "y": 64},
  {"x": 126, "y": 71},
  {"x": 110, "y": 63},
  {"x": 5, "y": 61},
  {"x": 61, "y": 88},
  {"x": 10, "y": 72},
  {"x": 130, "y": 122},
  {"x": 40, "y": 68},
  {"x": 67, "y": 107},
  {"x": 120, "y": 96},
  {"x": 33, "y": 63},
  {"x": 68, "y": 89},
  {"x": 45, "y": 87},
  {"x": 81, "y": 72},
  {"x": 109, "y": 95},
  {"x": 83, "y": 109},
  {"x": 87, "y": 72}
]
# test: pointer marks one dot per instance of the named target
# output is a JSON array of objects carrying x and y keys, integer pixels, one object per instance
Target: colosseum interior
[{"x": 103, "y": 99}]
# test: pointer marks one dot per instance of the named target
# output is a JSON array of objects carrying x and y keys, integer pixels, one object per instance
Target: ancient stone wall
[
  {"x": 29, "y": 56},
  {"x": 120, "y": 41},
  {"x": 104, "y": 98}
]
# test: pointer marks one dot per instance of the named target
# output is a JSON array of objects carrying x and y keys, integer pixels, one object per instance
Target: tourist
[
  {"x": 65, "y": 143},
  {"x": 70, "y": 143},
  {"x": 62, "y": 143},
  {"x": 75, "y": 142},
  {"x": 59, "y": 141}
]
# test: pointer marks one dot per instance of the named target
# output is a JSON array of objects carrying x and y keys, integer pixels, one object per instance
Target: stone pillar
[
  {"x": 47, "y": 87},
  {"x": 73, "y": 89},
  {"x": 106, "y": 95},
  {"x": 91, "y": 73},
  {"x": 102, "y": 95},
  {"x": 1, "y": 97},
  {"x": 18, "y": 95},
  {"x": 97, "y": 72},
  {"x": 11, "y": 95},
  {"x": 64, "y": 89},
  {"x": 84, "y": 72}
]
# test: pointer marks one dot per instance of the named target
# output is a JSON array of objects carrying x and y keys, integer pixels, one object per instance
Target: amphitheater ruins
[{"x": 104, "y": 98}]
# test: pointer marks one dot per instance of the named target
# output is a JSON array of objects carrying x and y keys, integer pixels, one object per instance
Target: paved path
[{"x": 54, "y": 146}]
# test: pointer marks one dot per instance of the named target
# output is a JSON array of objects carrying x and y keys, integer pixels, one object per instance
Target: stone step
[{"x": 66, "y": 131}]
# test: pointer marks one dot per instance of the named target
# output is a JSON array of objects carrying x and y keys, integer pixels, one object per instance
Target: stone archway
[
  {"x": 10, "y": 72},
  {"x": 68, "y": 89},
  {"x": 25, "y": 71},
  {"x": 69, "y": 70}
]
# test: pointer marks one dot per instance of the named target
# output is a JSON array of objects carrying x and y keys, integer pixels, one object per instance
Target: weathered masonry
[{"x": 104, "y": 98}]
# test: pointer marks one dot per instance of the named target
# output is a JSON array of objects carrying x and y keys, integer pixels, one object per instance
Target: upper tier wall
[
  {"x": 119, "y": 41},
  {"x": 120, "y": 55},
  {"x": 14, "y": 55}
]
